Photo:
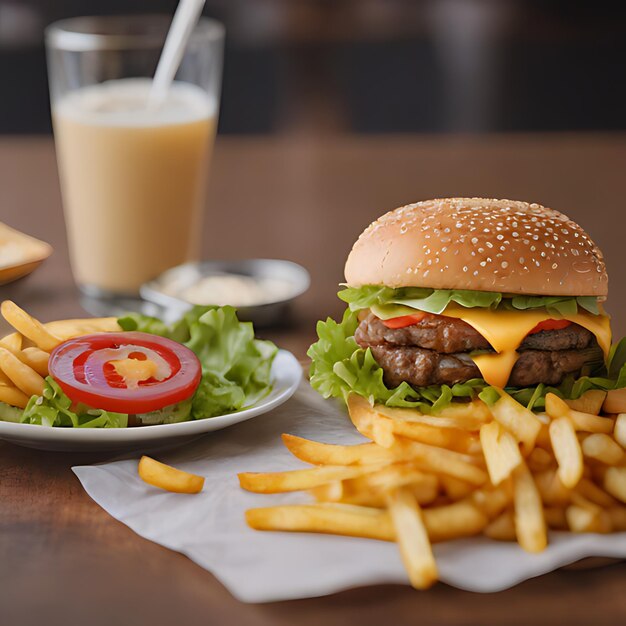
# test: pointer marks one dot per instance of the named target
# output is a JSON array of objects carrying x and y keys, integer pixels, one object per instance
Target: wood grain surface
[{"x": 65, "y": 561}]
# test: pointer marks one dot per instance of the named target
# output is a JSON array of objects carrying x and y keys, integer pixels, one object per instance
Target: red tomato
[
  {"x": 550, "y": 325},
  {"x": 405, "y": 320},
  {"x": 84, "y": 370}
]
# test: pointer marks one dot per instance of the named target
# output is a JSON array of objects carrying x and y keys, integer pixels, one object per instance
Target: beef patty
[{"x": 436, "y": 351}]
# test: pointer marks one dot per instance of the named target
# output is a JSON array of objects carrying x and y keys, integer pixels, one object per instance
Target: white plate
[{"x": 286, "y": 375}]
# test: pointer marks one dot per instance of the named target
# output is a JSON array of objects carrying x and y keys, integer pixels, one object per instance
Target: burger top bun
[{"x": 479, "y": 244}]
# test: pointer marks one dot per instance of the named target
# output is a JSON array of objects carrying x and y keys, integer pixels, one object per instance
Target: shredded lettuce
[
  {"x": 340, "y": 367},
  {"x": 54, "y": 408},
  {"x": 235, "y": 374},
  {"x": 436, "y": 300}
]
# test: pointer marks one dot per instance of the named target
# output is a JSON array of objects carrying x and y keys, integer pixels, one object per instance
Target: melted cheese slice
[{"x": 505, "y": 330}]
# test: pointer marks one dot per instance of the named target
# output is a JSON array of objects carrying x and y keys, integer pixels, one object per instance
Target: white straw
[{"x": 184, "y": 20}]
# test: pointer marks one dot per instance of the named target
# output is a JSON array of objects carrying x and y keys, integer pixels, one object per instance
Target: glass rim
[{"x": 78, "y": 34}]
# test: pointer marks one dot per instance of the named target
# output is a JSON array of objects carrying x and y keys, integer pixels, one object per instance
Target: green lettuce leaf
[
  {"x": 54, "y": 408},
  {"x": 436, "y": 300},
  {"x": 340, "y": 367},
  {"x": 235, "y": 366}
]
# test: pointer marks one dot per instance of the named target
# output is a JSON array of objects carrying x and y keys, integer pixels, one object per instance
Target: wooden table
[{"x": 65, "y": 561}]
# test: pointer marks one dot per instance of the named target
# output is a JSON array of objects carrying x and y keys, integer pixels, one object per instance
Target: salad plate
[{"x": 286, "y": 374}]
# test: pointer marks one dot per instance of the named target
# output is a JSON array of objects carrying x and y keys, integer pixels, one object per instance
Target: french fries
[
  {"x": 620, "y": 430},
  {"x": 412, "y": 538},
  {"x": 615, "y": 482},
  {"x": 13, "y": 396},
  {"x": 29, "y": 326},
  {"x": 590, "y": 402},
  {"x": 567, "y": 450},
  {"x": 24, "y": 378},
  {"x": 168, "y": 478},
  {"x": 501, "y": 451},
  {"x": 502, "y": 471},
  {"x": 298, "y": 480},
  {"x": 603, "y": 448},
  {"x": 530, "y": 524},
  {"x": 334, "y": 519},
  {"x": 24, "y": 354},
  {"x": 518, "y": 420}
]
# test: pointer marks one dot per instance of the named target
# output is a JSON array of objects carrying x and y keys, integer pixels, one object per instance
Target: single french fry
[
  {"x": 590, "y": 491},
  {"x": 587, "y": 422},
  {"x": 615, "y": 482},
  {"x": 334, "y": 519},
  {"x": 22, "y": 376},
  {"x": 412, "y": 538},
  {"x": 29, "y": 327},
  {"x": 566, "y": 450},
  {"x": 169, "y": 478},
  {"x": 615, "y": 401},
  {"x": 556, "y": 407},
  {"x": 318, "y": 453},
  {"x": 530, "y": 525},
  {"x": 501, "y": 451},
  {"x": 603, "y": 448},
  {"x": 451, "y": 521},
  {"x": 297, "y": 480},
  {"x": 502, "y": 528},
  {"x": 13, "y": 396},
  {"x": 590, "y": 402},
  {"x": 361, "y": 414},
  {"x": 12, "y": 342},
  {"x": 619, "y": 432},
  {"x": 35, "y": 358},
  {"x": 518, "y": 420},
  {"x": 67, "y": 329},
  {"x": 442, "y": 461}
]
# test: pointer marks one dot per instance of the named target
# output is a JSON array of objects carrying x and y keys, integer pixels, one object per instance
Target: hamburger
[{"x": 449, "y": 297}]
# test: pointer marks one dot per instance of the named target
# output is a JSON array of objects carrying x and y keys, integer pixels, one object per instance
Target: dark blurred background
[{"x": 372, "y": 66}]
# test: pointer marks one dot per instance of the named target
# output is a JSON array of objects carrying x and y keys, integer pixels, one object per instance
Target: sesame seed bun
[{"x": 479, "y": 244}]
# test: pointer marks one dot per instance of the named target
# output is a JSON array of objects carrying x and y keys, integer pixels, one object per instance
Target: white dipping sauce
[{"x": 233, "y": 289}]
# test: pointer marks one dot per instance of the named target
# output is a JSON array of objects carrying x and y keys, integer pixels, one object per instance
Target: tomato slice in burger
[
  {"x": 405, "y": 320},
  {"x": 550, "y": 325},
  {"x": 129, "y": 372}
]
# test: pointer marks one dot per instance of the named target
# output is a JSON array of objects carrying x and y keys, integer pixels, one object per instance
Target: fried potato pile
[
  {"x": 499, "y": 470},
  {"x": 24, "y": 354}
]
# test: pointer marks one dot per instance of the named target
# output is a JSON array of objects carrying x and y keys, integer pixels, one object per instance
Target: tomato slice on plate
[
  {"x": 405, "y": 320},
  {"x": 128, "y": 372},
  {"x": 550, "y": 325}
]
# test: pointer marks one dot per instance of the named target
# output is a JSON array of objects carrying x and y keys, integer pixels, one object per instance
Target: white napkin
[{"x": 268, "y": 566}]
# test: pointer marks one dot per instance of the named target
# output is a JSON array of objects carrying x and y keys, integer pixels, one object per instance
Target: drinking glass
[{"x": 133, "y": 175}]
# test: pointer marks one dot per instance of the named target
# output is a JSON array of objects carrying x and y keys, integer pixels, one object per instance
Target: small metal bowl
[{"x": 160, "y": 291}]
